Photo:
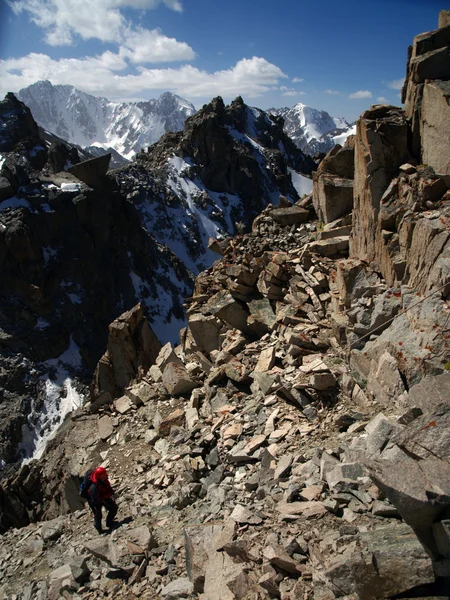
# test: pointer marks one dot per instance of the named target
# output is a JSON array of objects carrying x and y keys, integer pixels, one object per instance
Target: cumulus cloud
[
  {"x": 396, "y": 84},
  {"x": 360, "y": 94},
  {"x": 382, "y": 99},
  {"x": 332, "y": 92},
  {"x": 99, "y": 19},
  {"x": 101, "y": 76},
  {"x": 297, "y": 80},
  {"x": 143, "y": 46}
]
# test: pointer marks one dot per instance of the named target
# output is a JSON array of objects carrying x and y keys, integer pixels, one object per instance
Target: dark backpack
[{"x": 86, "y": 484}]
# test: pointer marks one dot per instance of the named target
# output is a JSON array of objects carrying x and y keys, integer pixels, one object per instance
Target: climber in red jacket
[{"x": 100, "y": 493}]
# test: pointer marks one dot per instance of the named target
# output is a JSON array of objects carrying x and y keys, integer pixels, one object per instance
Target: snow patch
[
  {"x": 41, "y": 324},
  {"x": 71, "y": 187},
  {"x": 302, "y": 184},
  {"x": 59, "y": 399},
  {"x": 340, "y": 139},
  {"x": 48, "y": 253},
  {"x": 75, "y": 299}
]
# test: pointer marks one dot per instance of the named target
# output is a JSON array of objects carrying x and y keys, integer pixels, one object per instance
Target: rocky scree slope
[
  {"x": 86, "y": 120},
  {"x": 295, "y": 443},
  {"x": 75, "y": 255}
]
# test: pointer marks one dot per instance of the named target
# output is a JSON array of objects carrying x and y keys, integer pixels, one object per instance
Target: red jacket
[{"x": 99, "y": 491}]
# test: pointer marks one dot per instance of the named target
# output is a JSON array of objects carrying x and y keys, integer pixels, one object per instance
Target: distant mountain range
[
  {"x": 313, "y": 130},
  {"x": 87, "y": 121},
  {"x": 99, "y": 125}
]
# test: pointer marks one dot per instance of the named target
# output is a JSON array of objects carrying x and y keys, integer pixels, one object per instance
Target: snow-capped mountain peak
[
  {"x": 87, "y": 120},
  {"x": 311, "y": 129}
]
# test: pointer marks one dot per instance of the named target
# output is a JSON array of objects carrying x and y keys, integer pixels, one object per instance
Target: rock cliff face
[{"x": 295, "y": 443}]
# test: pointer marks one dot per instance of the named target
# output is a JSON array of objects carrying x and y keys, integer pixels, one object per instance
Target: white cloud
[
  {"x": 397, "y": 84},
  {"x": 293, "y": 93},
  {"x": 360, "y": 94},
  {"x": 100, "y": 76},
  {"x": 100, "y": 19},
  {"x": 382, "y": 99},
  {"x": 297, "y": 80},
  {"x": 332, "y": 92},
  {"x": 287, "y": 91},
  {"x": 143, "y": 46}
]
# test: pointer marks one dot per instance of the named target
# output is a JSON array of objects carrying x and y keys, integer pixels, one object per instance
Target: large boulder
[
  {"x": 386, "y": 561},
  {"x": 333, "y": 183},
  {"x": 132, "y": 348},
  {"x": 381, "y": 146}
]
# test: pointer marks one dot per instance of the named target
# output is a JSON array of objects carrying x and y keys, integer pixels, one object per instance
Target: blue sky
[{"x": 337, "y": 56}]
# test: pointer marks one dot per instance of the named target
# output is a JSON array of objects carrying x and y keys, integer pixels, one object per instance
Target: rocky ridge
[
  {"x": 82, "y": 119},
  {"x": 78, "y": 247},
  {"x": 295, "y": 443}
]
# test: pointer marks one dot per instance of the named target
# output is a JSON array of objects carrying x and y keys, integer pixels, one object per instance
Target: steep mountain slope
[
  {"x": 295, "y": 443},
  {"x": 87, "y": 120},
  {"x": 77, "y": 256},
  {"x": 313, "y": 130},
  {"x": 221, "y": 171}
]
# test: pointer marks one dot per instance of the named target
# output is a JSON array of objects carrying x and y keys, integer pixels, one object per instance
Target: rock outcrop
[{"x": 425, "y": 94}]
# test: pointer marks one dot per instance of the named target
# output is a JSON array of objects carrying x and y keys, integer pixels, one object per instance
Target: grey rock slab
[
  {"x": 379, "y": 437},
  {"x": 278, "y": 557},
  {"x": 151, "y": 436},
  {"x": 283, "y": 467},
  {"x": 105, "y": 427},
  {"x": 266, "y": 360},
  {"x": 178, "y": 589},
  {"x": 401, "y": 561},
  {"x": 142, "y": 536},
  {"x": 192, "y": 417},
  {"x": 123, "y": 405},
  {"x": 176, "y": 379},
  {"x": 243, "y": 515},
  {"x": 104, "y": 549},
  {"x": 327, "y": 464},
  {"x": 166, "y": 355},
  {"x": 77, "y": 569},
  {"x": 301, "y": 509},
  {"x": 205, "y": 331},
  {"x": 441, "y": 534},
  {"x": 344, "y": 471},
  {"x": 382, "y": 509},
  {"x": 322, "y": 381},
  {"x": 427, "y": 436},
  {"x": 419, "y": 489},
  {"x": 52, "y": 530},
  {"x": 388, "y": 561}
]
